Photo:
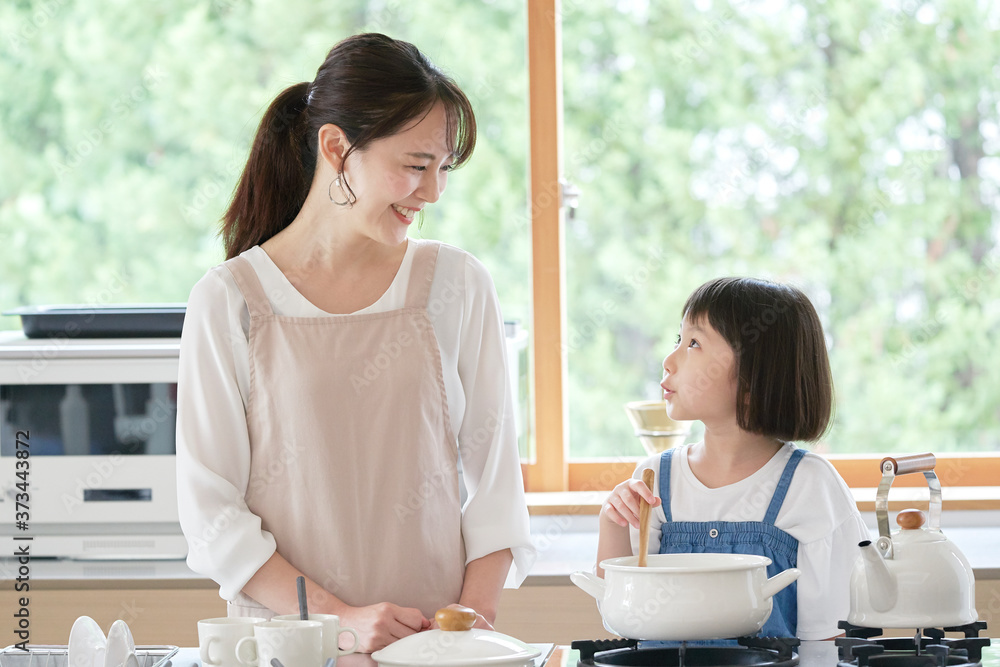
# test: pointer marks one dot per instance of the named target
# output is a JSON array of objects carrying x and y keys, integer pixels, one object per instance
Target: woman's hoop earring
[{"x": 329, "y": 191}]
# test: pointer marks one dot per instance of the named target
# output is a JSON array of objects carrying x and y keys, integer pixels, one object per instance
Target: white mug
[
  {"x": 217, "y": 638},
  {"x": 331, "y": 634},
  {"x": 293, "y": 643}
]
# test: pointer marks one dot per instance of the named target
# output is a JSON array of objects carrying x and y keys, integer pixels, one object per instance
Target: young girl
[{"x": 751, "y": 364}]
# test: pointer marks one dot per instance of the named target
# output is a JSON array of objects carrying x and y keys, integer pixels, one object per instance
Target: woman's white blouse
[{"x": 213, "y": 446}]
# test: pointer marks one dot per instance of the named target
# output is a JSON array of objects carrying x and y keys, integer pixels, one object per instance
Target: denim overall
[{"x": 760, "y": 538}]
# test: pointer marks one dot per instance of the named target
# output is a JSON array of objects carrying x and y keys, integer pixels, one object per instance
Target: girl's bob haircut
[{"x": 784, "y": 387}]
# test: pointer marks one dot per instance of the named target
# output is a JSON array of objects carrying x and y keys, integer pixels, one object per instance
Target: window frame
[{"x": 552, "y": 470}]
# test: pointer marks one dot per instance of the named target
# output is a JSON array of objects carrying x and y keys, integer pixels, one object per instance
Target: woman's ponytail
[{"x": 277, "y": 175}]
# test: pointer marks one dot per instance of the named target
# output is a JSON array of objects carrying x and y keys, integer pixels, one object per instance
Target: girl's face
[
  {"x": 395, "y": 177},
  {"x": 699, "y": 380}
]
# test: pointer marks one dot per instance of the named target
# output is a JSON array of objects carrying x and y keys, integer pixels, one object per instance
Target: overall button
[{"x": 713, "y": 533}]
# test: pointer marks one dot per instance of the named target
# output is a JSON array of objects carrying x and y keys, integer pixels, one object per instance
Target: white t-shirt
[
  {"x": 213, "y": 446},
  {"x": 818, "y": 511}
]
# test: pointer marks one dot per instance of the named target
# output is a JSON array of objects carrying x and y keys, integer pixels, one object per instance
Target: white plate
[
  {"x": 87, "y": 643},
  {"x": 120, "y": 644}
]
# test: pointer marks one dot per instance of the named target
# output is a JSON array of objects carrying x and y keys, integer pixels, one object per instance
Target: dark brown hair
[
  {"x": 371, "y": 86},
  {"x": 784, "y": 387}
]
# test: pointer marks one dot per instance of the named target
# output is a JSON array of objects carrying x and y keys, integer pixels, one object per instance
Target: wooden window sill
[{"x": 953, "y": 498}]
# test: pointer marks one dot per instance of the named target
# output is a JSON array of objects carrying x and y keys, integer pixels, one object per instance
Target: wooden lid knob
[
  {"x": 454, "y": 619},
  {"x": 910, "y": 519}
]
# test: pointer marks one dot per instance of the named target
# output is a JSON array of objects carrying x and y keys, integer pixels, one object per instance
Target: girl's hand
[
  {"x": 622, "y": 505},
  {"x": 381, "y": 624},
  {"x": 481, "y": 621}
]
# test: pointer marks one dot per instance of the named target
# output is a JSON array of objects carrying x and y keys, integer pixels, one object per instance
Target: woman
[{"x": 333, "y": 371}]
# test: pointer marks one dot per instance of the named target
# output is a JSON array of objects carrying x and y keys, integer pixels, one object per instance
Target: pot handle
[
  {"x": 779, "y": 581},
  {"x": 591, "y": 584}
]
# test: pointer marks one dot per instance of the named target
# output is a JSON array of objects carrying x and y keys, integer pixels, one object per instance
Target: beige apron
[{"x": 353, "y": 465}]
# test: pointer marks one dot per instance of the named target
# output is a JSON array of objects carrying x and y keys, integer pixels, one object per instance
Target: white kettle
[{"x": 914, "y": 577}]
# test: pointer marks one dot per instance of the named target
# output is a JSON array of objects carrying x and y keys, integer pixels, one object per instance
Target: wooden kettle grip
[
  {"x": 647, "y": 479},
  {"x": 454, "y": 619},
  {"x": 902, "y": 465}
]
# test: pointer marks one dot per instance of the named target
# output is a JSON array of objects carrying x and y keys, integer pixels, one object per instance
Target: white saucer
[
  {"x": 120, "y": 645},
  {"x": 87, "y": 644}
]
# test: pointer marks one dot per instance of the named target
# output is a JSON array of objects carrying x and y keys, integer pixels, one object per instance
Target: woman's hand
[
  {"x": 622, "y": 505},
  {"x": 381, "y": 624}
]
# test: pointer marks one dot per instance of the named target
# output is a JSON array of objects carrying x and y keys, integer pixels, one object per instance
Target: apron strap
[
  {"x": 249, "y": 284},
  {"x": 779, "y": 493},
  {"x": 418, "y": 291},
  {"x": 665, "y": 482}
]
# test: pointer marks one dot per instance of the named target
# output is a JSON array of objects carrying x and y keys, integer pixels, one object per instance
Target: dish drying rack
[{"x": 55, "y": 655}]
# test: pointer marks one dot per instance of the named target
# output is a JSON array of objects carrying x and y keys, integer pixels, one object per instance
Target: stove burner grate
[
  {"x": 927, "y": 648},
  {"x": 753, "y": 651}
]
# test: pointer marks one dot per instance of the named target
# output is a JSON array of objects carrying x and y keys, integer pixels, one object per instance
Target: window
[
  {"x": 856, "y": 153},
  {"x": 853, "y": 153}
]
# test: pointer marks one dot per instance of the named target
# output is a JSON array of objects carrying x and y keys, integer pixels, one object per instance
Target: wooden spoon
[{"x": 647, "y": 479}]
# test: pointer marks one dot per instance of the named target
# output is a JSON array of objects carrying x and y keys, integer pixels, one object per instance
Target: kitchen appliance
[
  {"x": 102, "y": 321},
  {"x": 913, "y": 577},
  {"x": 98, "y": 417},
  {"x": 756, "y": 651},
  {"x": 862, "y": 647},
  {"x": 685, "y": 596}
]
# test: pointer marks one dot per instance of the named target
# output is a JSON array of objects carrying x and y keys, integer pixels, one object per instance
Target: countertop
[
  {"x": 565, "y": 544},
  {"x": 811, "y": 654}
]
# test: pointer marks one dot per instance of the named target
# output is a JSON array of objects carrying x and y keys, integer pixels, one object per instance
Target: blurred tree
[{"x": 850, "y": 148}]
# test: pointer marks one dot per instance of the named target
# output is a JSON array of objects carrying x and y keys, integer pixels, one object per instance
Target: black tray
[{"x": 118, "y": 321}]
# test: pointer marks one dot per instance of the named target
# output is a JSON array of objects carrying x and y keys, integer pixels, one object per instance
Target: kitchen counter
[
  {"x": 565, "y": 544},
  {"x": 162, "y": 600},
  {"x": 811, "y": 654}
]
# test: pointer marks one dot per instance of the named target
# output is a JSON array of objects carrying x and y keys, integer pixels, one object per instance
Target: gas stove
[
  {"x": 863, "y": 647},
  {"x": 757, "y": 651}
]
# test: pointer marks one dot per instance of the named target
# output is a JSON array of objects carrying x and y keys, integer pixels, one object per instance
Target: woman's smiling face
[
  {"x": 699, "y": 380},
  {"x": 395, "y": 177}
]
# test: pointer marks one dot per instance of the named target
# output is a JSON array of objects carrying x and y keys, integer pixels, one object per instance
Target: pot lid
[
  {"x": 684, "y": 563},
  {"x": 458, "y": 646}
]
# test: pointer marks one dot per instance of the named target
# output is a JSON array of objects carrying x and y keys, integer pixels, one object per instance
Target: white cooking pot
[
  {"x": 457, "y": 644},
  {"x": 685, "y": 596}
]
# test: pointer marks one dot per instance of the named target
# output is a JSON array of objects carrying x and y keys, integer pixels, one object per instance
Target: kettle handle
[{"x": 902, "y": 465}]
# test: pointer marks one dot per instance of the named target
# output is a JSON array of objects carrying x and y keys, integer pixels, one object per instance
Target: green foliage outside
[{"x": 848, "y": 147}]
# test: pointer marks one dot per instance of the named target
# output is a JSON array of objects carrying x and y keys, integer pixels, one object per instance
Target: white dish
[
  {"x": 120, "y": 644},
  {"x": 87, "y": 643}
]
